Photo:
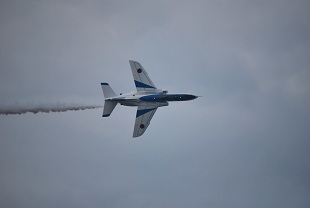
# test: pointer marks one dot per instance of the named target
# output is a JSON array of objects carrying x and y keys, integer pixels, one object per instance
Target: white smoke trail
[{"x": 17, "y": 108}]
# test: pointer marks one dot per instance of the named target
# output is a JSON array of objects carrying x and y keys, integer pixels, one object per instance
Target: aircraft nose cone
[{"x": 192, "y": 97}]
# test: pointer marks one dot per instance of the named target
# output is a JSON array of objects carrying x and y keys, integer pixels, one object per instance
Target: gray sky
[{"x": 245, "y": 143}]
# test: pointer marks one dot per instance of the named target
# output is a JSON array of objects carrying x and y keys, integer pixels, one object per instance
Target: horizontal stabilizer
[
  {"x": 107, "y": 90},
  {"x": 108, "y": 108}
]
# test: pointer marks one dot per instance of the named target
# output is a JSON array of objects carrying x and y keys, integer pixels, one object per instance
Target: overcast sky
[{"x": 245, "y": 143}]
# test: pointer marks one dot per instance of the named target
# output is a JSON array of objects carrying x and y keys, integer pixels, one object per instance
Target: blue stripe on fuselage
[{"x": 167, "y": 97}]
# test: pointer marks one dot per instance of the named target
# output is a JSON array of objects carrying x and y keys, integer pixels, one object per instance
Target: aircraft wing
[
  {"x": 141, "y": 78},
  {"x": 143, "y": 118}
]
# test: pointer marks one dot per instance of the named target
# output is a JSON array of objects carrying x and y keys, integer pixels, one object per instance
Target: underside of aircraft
[{"x": 147, "y": 98}]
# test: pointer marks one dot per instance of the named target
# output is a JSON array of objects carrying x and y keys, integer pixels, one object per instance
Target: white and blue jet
[{"x": 147, "y": 97}]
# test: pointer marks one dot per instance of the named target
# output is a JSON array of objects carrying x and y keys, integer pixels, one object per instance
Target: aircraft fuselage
[{"x": 144, "y": 98}]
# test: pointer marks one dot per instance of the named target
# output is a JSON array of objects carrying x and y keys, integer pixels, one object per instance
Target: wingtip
[
  {"x": 133, "y": 61},
  {"x": 136, "y": 135}
]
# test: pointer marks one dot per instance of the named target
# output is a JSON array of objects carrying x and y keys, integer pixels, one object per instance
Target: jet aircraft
[{"x": 147, "y": 98}]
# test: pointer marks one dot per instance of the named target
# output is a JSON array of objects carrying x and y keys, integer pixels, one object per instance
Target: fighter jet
[{"x": 147, "y": 98}]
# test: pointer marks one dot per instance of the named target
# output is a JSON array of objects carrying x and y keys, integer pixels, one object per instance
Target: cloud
[{"x": 243, "y": 144}]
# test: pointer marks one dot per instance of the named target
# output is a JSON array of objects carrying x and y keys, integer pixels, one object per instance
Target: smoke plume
[{"x": 17, "y": 108}]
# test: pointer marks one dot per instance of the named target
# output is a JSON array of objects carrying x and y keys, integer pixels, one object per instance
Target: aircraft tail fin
[
  {"x": 108, "y": 108},
  {"x": 107, "y": 90}
]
